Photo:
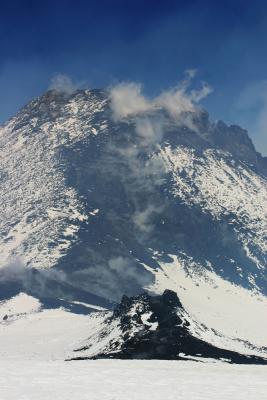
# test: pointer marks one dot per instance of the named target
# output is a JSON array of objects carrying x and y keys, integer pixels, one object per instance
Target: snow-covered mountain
[{"x": 100, "y": 201}]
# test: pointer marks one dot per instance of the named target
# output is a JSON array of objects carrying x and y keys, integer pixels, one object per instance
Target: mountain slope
[{"x": 102, "y": 205}]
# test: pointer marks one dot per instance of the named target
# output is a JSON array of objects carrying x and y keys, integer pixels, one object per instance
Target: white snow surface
[
  {"x": 131, "y": 380},
  {"x": 219, "y": 305},
  {"x": 32, "y": 333},
  {"x": 19, "y": 305},
  {"x": 34, "y": 344},
  {"x": 218, "y": 311}
]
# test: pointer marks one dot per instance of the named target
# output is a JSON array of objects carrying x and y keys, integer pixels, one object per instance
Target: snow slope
[
  {"x": 33, "y": 333},
  {"x": 229, "y": 309}
]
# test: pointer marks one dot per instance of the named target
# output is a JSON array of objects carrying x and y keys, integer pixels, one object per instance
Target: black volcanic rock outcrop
[{"x": 155, "y": 327}]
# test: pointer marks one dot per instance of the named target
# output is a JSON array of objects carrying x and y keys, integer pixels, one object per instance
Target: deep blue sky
[{"x": 149, "y": 41}]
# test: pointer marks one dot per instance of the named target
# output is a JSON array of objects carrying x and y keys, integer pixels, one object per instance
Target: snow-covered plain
[
  {"x": 130, "y": 380},
  {"x": 36, "y": 334},
  {"x": 35, "y": 342}
]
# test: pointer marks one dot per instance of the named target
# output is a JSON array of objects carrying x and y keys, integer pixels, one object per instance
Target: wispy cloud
[
  {"x": 63, "y": 83},
  {"x": 130, "y": 105},
  {"x": 118, "y": 275},
  {"x": 127, "y": 98},
  {"x": 30, "y": 279}
]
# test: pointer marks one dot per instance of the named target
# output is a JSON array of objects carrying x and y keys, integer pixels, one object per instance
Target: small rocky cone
[{"x": 149, "y": 327}]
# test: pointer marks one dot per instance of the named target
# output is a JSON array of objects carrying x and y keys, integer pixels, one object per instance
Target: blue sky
[{"x": 97, "y": 43}]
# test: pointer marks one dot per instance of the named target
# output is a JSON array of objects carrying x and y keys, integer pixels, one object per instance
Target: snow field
[{"x": 130, "y": 380}]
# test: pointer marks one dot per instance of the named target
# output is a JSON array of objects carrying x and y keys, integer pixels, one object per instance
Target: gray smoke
[
  {"x": 30, "y": 279},
  {"x": 120, "y": 275},
  {"x": 13, "y": 270},
  {"x": 63, "y": 84},
  {"x": 150, "y": 118}
]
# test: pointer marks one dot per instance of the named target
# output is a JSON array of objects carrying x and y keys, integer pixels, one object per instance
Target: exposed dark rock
[{"x": 151, "y": 328}]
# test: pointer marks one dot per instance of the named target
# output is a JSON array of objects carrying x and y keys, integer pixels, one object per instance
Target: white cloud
[
  {"x": 127, "y": 99},
  {"x": 181, "y": 100},
  {"x": 175, "y": 102}
]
